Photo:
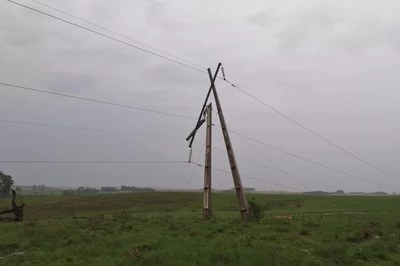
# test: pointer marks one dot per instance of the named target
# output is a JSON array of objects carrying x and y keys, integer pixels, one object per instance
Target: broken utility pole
[
  {"x": 207, "y": 213},
  {"x": 17, "y": 210},
  {"x": 244, "y": 212},
  {"x": 243, "y": 206}
]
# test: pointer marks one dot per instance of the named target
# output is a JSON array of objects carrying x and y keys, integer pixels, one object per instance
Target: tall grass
[{"x": 168, "y": 229}]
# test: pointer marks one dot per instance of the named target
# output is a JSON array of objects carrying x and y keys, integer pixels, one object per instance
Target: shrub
[{"x": 256, "y": 212}]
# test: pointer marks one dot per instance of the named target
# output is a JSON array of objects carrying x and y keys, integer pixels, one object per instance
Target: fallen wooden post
[{"x": 17, "y": 210}]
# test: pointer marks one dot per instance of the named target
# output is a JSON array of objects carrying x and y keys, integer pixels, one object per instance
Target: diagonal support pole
[
  {"x": 244, "y": 212},
  {"x": 199, "y": 120}
]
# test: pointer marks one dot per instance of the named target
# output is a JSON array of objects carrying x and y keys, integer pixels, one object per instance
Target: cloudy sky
[{"x": 330, "y": 65}]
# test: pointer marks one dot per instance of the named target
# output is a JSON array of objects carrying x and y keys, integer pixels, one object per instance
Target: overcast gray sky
[{"x": 331, "y": 65}]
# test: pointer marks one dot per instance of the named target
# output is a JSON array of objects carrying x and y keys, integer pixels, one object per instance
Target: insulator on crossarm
[{"x": 190, "y": 155}]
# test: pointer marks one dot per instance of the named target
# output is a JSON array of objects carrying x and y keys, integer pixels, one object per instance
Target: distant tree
[
  {"x": 108, "y": 189},
  {"x": 38, "y": 188},
  {"x": 6, "y": 183},
  {"x": 339, "y": 191}
]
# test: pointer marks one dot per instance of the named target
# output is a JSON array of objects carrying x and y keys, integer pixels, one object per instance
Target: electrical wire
[
  {"x": 88, "y": 129},
  {"x": 194, "y": 168},
  {"x": 198, "y": 157},
  {"x": 311, "y": 161},
  {"x": 247, "y": 159},
  {"x": 292, "y": 177},
  {"x": 254, "y": 178},
  {"x": 128, "y": 133},
  {"x": 108, "y": 36},
  {"x": 88, "y": 162},
  {"x": 223, "y": 78},
  {"x": 95, "y": 100},
  {"x": 304, "y": 158},
  {"x": 186, "y": 117},
  {"x": 116, "y": 33},
  {"x": 326, "y": 140},
  {"x": 202, "y": 71}
]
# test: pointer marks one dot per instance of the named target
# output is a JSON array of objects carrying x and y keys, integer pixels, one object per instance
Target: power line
[
  {"x": 280, "y": 169},
  {"x": 186, "y": 117},
  {"x": 116, "y": 33},
  {"x": 109, "y": 162},
  {"x": 198, "y": 157},
  {"x": 88, "y": 129},
  {"x": 272, "y": 183},
  {"x": 248, "y": 160},
  {"x": 95, "y": 100},
  {"x": 108, "y": 37},
  {"x": 241, "y": 157},
  {"x": 304, "y": 158},
  {"x": 223, "y": 78},
  {"x": 275, "y": 165},
  {"x": 254, "y": 178},
  {"x": 194, "y": 168},
  {"x": 309, "y": 160},
  {"x": 124, "y": 132},
  {"x": 88, "y": 162},
  {"x": 311, "y": 131},
  {"x": 176, "y": 115}
]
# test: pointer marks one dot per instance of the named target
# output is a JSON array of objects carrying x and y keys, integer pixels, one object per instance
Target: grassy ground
[{"x": 166, "y": 228}]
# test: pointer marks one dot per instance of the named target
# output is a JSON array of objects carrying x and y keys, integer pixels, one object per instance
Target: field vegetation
[{"x": 166, "y": 228}]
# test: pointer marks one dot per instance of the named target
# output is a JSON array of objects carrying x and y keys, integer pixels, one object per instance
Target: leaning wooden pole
[
  {"x": 207, "y": 211},
  {"x": 244, "y": 211},
  {"x": 17, "y": 210}
]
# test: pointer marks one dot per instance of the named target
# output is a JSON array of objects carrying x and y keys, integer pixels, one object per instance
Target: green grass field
[{"x": 166, "y": 228}]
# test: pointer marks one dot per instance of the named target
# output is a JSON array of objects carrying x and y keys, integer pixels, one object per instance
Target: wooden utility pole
[
  {"x": 244, "y": 212},
  {"x": 17, "y": 210},
  {"x": 207, "y": 212}
]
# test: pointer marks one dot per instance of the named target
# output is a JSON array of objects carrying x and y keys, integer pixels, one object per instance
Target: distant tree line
[
  {"x": 89, "y": 190},
  {"x": 80, "y": 190},
  {"x": 137, "y": 189},
  {"x": 340, "y": 192}
]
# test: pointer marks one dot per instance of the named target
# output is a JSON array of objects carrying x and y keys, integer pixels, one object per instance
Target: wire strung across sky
[
  {"x": 292, "y": 177},
  {"x": 175, "y": 60},
  {"x": 187, "y": 117},
  {"x": 98, "y": 130},
  {"x": 119, "y": 34},
  {"x": 253, "y": 178},
  {"x": 95, "y": 100},
  {"x": 276, "y": 167},
  {"x": 89, "y": 129},
  {"x": 138, "y": 162},
  {"x": 310, "y": 161},
  {"x": 202, "y": 71},
  {"x": 90, "y": 162},
  {"x": 108, "y": 37},
  {"x": 120, "y": 162},
  {"x": 311, "y": 131}
]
